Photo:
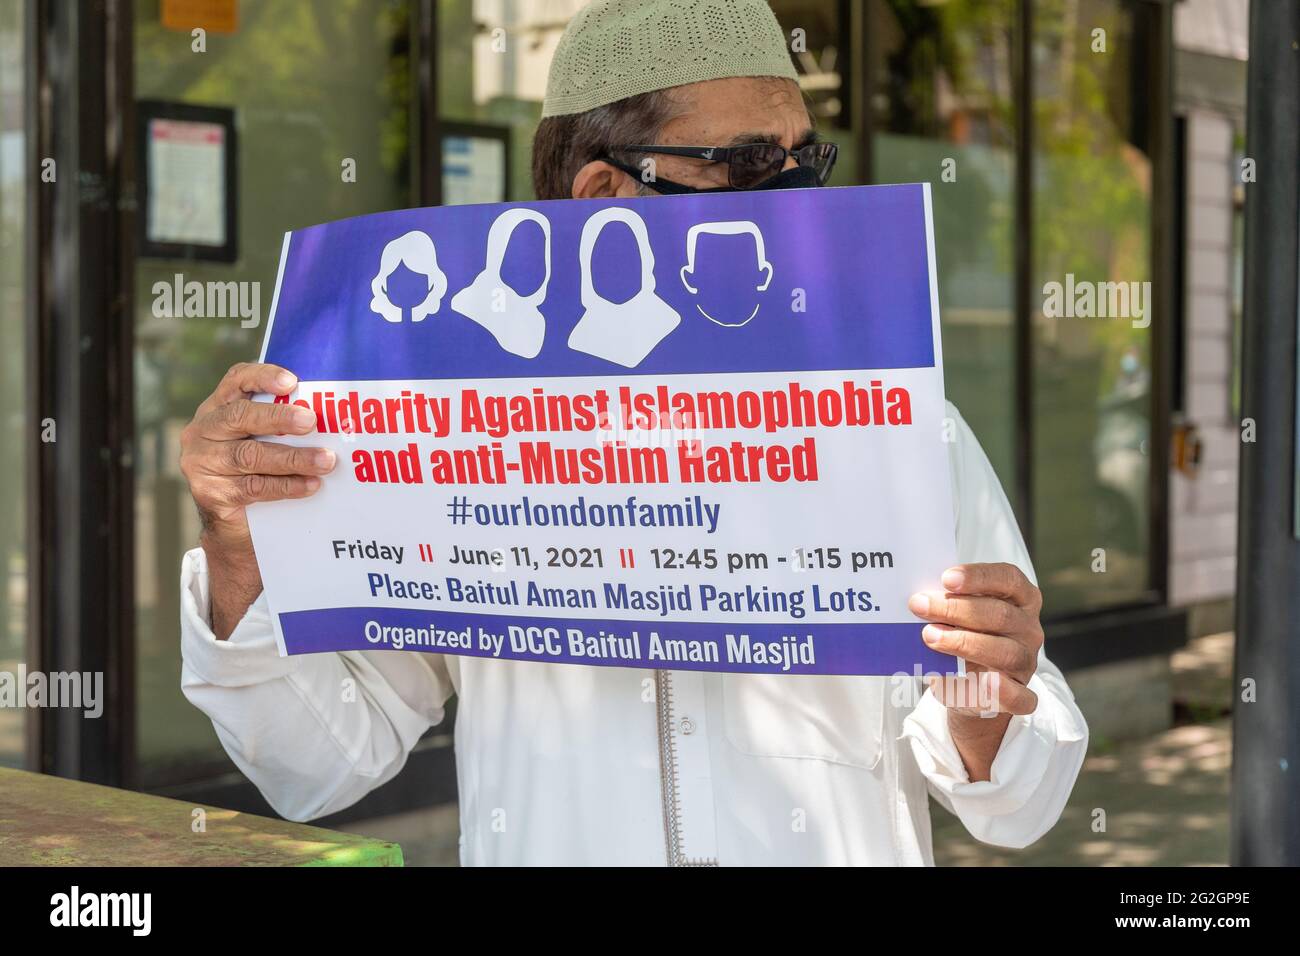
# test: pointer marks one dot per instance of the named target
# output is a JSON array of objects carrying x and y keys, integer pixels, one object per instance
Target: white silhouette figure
[
  {"x": 725, "y": 229},
  {"x": 623, "y": 332},
  {"x": 513, "y": 319},
  {"x": 415, "y": 251}
]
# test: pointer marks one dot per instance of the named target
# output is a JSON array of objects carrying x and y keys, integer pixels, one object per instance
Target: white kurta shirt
[{"x": 567, "y": 764}]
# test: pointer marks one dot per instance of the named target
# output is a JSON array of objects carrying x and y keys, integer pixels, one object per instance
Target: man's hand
[
  {"x": 989, "y": 617},
  {"x": 228, "y": 468}
]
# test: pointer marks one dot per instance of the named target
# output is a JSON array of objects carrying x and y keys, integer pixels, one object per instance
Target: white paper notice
[{"x": 187, "y": 183}]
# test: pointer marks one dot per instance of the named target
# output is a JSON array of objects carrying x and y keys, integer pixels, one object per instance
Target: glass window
[
  {"x": 942, "y": 113},
  {"x": 492, "y": 61},
  {"x": 818, "y": 34},
  {"x": 312, "y": 85},
  {"x": 16, "y": 430},
  {"x": 499, "y": 78},
  {"x": 1092, "y": 399}
]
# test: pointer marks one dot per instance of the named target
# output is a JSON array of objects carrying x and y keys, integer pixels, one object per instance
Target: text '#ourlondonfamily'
[{"x": 609, "y": 415}]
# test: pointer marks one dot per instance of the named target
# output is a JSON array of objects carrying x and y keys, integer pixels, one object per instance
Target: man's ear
[{"x": 600, "y": 180}]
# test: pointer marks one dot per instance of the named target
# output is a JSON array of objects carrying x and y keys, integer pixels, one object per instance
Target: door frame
[{"x": 80, "y": 340}]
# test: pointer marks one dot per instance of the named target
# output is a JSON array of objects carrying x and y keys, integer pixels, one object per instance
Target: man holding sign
[{"x": 662, "y": 653}]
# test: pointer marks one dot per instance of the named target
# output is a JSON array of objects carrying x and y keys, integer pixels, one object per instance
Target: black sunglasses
[{"x": 752, "y": 164}]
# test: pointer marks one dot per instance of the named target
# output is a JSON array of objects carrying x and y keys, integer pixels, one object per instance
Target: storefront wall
[
  {"x": 1211, "y": 42},
  {"x": 910, "y": 90}
]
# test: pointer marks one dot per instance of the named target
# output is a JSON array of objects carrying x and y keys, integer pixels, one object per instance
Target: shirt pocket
[{"x": 837, "y": 719}]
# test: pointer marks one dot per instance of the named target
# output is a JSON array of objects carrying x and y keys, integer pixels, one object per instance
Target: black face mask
[{"x": 801, "y": 177}]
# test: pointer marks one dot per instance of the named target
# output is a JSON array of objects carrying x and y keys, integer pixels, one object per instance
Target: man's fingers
[
  {"x": 1001, "y": 580},
  {"x": 997, "y": 653},
  {"x": 1015, "y": 698},
  {"x": 242, "y": 419},
  {"x": 984, "y": 692},
  {"x": 251, "y": 488},
  {"x": 987, "y": 615},
  {"x": 254, "y": 457},
  {"x": 250, "y": 378}
]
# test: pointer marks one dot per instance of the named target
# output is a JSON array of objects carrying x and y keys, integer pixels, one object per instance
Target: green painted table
[{"x": 49, "y": 821}]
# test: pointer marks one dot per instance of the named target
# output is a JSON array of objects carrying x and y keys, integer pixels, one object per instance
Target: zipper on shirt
[{"x": 668, "y": 788}]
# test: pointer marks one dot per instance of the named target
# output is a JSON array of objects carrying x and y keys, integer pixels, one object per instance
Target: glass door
[
  {"x": 17, "y": 429},
  {"x": 1093, "y": 328},
  {"x": 315, "y": 102}
]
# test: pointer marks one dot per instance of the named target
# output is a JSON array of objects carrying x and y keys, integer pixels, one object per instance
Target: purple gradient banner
[{"x": 845, "y": 286}]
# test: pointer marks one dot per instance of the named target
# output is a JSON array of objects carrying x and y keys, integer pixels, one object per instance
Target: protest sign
[{"x": 699, "y": 432}]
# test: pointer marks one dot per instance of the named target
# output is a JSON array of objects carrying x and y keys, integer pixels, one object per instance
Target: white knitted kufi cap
[{"x": 613, "y": 49}]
